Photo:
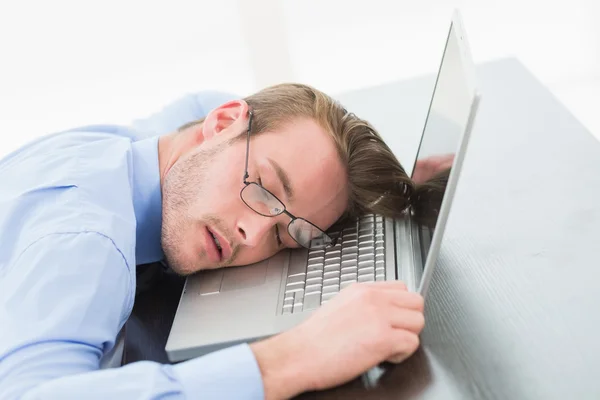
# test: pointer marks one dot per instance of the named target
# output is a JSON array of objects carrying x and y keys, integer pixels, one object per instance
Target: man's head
[{"x": 320, "y": 161}]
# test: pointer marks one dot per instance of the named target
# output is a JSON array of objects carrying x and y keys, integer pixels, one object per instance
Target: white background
[{"x": 65, "y": 63}]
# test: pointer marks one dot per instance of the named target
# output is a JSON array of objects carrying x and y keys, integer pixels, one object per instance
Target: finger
[
  {"x": 410, "y": 320},
  {"x": 404, "y": 344},
  {"x": 386, "y": 285},
  {"x": 409, "y": 300}
]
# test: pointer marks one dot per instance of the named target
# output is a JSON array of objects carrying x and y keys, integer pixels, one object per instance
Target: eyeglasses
[{"x": 265, "y": 203}]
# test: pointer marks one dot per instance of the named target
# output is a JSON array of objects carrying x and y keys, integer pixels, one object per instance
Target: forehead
[{"x": 308, "y": 155}]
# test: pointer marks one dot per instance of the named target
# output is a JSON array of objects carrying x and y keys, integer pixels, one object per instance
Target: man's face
[{"x": 201, "y": 191}]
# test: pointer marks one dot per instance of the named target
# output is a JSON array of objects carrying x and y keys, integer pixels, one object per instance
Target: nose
[{"x": 252, "y": 228}]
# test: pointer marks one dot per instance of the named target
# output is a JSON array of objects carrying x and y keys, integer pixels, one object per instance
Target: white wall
[{"x": 65, "y": 63}]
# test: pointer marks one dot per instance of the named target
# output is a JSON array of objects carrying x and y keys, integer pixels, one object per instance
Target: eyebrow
[{"x": 284, "y": 178}]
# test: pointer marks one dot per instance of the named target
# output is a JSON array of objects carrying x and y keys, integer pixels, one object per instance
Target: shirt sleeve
[
  {"x": 188, "y": 108},
  {"x": 64, "y": 299}
]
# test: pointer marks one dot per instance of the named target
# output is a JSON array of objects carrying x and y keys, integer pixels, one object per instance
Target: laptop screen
[{"x": 445, "y": 124}]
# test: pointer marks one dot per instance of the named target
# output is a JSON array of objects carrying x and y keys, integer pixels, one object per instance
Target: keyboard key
[
  {"x": 333, "y": 250},
  {"x": 370, "y": 257},
  {"x": 331, "y": 289},
  {"x": 379, "y": 257},
  {"x": 315, "y": 264},
  {"x": 350, "y": 251},
  {"x": 316, "y": 253},
  {"x": 297, "y": 307},
  {"x": 348, "y": 259},
  {"x": 294, "y": 290},
  {"x": 346, "y": 270},
  {"x": 379, "y": 270},
  {"x": 352, "y": 240},
  {"x": 333, "y": 261},
  {"x": 366, "y": 278},
  {"x": 295, "y": 279},
  {"x": 348, "y": 244},
  {"x": 312, "y": 301},
  {"x": 313, "y": 268},
  {"x": 316, "y": 260},
  {"x": 298, "y": 262},
  {"x": 332, "y": 267},
  {"x": 289, "y": 300},
  {"x": 365, "y": 237},
  {"x": 292, "y": 285},
  {"x": 331, "y": 274},
  {"x": 313, "y": 288},
  {"x": 379, "y": 251},
  {"x": 327, "y": 296},
  {"x": 314, "y": 281},
  {"x": 314, "y": 274},
  {"x": 288, "y": 304},
  {"x": 366, "y": 231},
  {"x": 367, "y": 227},
  {"x": 335, "y": 281},
  {"x": 348, "y": 277},
  {"x": 365, "y": 264},
  {"x": 366, "y": 244},
  {"x": 364, "y": 271},
  {"x": 379, "y": 277},
  {"x": 349, "y": 230},
  {"x": 347, "y": 283}
]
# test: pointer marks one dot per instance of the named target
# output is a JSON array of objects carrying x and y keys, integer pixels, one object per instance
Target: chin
[{"x": 181, "y": 267}]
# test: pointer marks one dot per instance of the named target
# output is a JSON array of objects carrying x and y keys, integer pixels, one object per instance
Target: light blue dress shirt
[{"x": 78, "y": 211}]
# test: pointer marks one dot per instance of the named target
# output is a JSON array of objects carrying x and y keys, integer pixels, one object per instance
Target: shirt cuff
[{"x": 232, "y": 373}]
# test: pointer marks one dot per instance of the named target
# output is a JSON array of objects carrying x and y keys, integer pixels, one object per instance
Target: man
[{"x": 81, "y": 208}]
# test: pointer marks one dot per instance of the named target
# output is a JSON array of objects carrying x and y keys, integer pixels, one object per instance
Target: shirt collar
[{"x": 147, "y": 201}]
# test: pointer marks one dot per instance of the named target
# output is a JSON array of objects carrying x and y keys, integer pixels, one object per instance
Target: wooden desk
[{"x": 514, "y": 306}]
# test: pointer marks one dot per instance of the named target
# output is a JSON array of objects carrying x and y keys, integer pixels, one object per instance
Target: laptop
[{"x": 225, "y": 307}]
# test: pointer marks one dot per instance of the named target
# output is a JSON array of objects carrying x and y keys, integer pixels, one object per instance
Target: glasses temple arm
[{"x": 250, "y": 115}]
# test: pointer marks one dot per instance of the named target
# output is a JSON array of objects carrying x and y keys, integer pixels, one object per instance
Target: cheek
[{"x": 220, "y": 193}]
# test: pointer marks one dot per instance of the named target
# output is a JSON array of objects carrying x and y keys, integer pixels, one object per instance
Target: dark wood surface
[{"x": 514, "y": 305}]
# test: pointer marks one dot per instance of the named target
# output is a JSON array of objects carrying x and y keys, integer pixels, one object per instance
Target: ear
[{"x": 230, "y": 119}]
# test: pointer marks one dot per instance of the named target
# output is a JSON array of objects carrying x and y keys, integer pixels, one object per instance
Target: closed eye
[
  {"x": 277, "y": 237},
  {"x": 267, "y": 200}
]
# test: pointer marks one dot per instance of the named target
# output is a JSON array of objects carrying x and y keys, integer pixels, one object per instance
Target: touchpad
[{"x": 235, "y": 278}]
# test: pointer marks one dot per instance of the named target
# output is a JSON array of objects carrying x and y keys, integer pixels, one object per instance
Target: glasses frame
[{"x": 332, "y": 241}]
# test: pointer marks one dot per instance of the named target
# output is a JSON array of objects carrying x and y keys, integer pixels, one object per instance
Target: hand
[
  {"x": 427, "y": 168},
  {"x": 365, "y": 324}
]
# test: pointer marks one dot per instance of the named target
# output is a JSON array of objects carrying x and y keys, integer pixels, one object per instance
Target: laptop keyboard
[{"x": 358, "y": 256}]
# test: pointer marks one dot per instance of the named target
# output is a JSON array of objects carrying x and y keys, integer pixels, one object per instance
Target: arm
[{"x": 64, "y": 300}]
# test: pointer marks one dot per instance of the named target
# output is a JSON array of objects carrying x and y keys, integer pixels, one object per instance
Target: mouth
[{"x": 217, "y": 248}]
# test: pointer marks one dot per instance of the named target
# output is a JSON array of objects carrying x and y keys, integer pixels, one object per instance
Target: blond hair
[{"x": 376, "y": 180}]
